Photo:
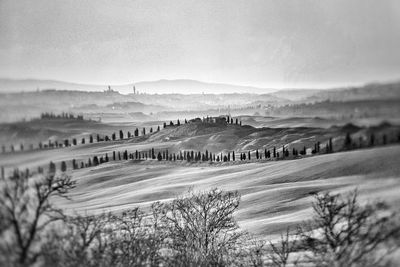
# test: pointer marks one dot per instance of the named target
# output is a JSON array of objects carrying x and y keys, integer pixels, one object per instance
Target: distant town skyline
[{"x": 266, "y": 44}]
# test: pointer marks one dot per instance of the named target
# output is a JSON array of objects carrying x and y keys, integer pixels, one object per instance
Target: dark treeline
[
  {"x": 195, "y": 229},
  {"x": 63, "y": 115}
]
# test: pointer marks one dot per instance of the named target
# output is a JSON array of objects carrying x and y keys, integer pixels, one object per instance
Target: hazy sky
[{"x": 279, "y": 43}]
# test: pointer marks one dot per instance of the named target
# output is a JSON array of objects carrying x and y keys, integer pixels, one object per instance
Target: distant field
[{"x": 275, "y": 195}]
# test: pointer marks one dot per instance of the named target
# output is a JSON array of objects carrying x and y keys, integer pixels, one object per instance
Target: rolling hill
[{"x": 275, "y": 195}]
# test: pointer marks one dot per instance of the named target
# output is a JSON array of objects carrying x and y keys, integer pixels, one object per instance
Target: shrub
[
  {"x": 201, "y": 228},
  {"x": 25, "y": 213},
  {"x": 344, "y": 233}
]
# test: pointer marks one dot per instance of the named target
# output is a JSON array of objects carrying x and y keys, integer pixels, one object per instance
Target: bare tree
[
  {"x": 201, "y": 227},
  {"x": 26, "y": 210},
  {"x": 344, "y": 233},
  {"x": 281, "y": 250}
]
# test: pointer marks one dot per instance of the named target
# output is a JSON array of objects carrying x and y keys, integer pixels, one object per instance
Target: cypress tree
[
  {"x": 129, "y": 134},
  {"x": 185, "y": 121},
  {"x": 257, "y": 155},
  {"x": 98, "y": 138},
  {"x": 106, "y": 158},
  {"x": 151, "y": 129},
  {"x": 347, "y": 141},
  {"x": 274, "y": 152},
  {"x": 82, "y": 166},
  {"x": 66, "y": 142},
  {"x": 158, "y": 128},
  {"x": 121, "y": 135},
  {"x": 74, "y": 166},
  {"x": 52, "y": 168},
  {"x": 144, "y": 131},
  {"x": 233, "y": 155},
  {"x": 249, "y": 155},
  {"x": 89, "y": 162},
  {"x": 90, "y": 139},
  {"x": 229, "y": 156},
  {"x": 165, "y": 125},
  {"x": 113, "y": 137},
  {"x": 95, "y": 161},
  {"x": 178, "y": 123},
  {"x": 119, "y": 155},
  {"x": 83, "y": 141}
]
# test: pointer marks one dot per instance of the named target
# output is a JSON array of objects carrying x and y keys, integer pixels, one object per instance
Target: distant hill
[
  {"x": 197, "y": 87},
  {"x": 374, "y": 91},
  {"x": 160, "y": 86}
]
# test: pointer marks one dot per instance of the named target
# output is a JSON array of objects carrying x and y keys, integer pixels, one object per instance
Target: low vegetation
[{"x": 196, "y": 229}]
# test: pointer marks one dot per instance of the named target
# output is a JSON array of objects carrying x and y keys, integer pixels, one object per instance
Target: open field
[{"x": 275, "y": 195}]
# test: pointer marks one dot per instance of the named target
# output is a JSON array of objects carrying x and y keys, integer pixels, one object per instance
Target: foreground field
[{"x": 275, "y": 195}]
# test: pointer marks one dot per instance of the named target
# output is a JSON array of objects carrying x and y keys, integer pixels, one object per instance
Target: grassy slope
[
  {"x": 274, "y": 194},
  {"x": 199, "y": 137}
]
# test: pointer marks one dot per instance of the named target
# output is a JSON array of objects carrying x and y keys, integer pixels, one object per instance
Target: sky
[{"x": 268, "y": 43}]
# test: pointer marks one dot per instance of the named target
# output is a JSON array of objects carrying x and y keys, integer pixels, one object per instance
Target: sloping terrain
[
  {"x": 199, "y": 136},
  {"x": 42, "y": 130},
  {"x": 275, "y": 195}
]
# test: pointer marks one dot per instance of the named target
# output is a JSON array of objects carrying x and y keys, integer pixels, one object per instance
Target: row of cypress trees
[{"x": 197, "y": 156}]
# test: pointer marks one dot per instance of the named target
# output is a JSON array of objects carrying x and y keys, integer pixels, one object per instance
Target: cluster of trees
[
  {"x": 351, "y": 143},
  {"x": 64, "y": 115},
  {"x": 196, "y": 229}
]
